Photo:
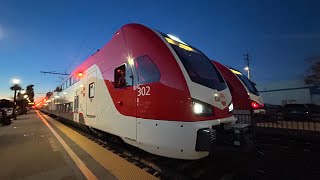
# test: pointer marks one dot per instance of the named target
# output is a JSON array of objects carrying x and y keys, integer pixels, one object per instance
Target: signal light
[{"x": 256, "y": 105}]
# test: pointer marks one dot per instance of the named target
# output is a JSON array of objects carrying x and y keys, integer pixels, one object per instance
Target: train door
[
  {"x": 147, "y": 94},
  {"x": 76, "y": 106},
  {"x": 91, "y": 100}
]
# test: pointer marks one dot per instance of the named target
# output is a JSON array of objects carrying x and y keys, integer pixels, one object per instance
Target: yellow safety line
[
  {"x": 80, "y": 164},
  {"x": 116, "y": 165}
]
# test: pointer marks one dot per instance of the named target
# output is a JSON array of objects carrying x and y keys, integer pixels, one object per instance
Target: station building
[{"x": 291, "y": 91}]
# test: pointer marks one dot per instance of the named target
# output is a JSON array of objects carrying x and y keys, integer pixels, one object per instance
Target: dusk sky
[{"x": 56, "y": 35}]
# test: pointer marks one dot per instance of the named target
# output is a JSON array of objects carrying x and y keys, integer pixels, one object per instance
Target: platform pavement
[{"x": 29, "y": 150}]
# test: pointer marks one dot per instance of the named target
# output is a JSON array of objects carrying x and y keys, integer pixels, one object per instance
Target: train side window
[
  {"x": 76, "y": 103},
  {"x": 70, "y": 107},
  {"x": 91, "y": 90},
  {"x": 66, "y": 107},
  {"x": 120, "y": 76},
  {"x": 147, "y": 70},
  {"x": 75, "y": 79}
]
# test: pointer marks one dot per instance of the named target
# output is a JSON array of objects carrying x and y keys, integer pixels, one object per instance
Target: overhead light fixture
[
  {"x": 176, "y": 38},
  {"x": 15, "y": 81},
  {"x": 235, "y": 72}
]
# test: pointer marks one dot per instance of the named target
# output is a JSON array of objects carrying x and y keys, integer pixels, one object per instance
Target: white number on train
[{"x": 144, "y": 91}]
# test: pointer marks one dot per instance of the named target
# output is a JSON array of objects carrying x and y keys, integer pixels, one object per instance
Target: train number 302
[{"x": 144, "y": 91}]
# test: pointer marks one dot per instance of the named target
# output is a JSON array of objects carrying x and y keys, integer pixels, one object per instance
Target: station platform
[{"x": 36, "y": 146}]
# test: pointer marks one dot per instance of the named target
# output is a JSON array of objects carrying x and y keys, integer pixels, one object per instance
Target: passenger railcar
[
  {"x": 150, "y": 89},
  {"x": 245, "y": 96}
]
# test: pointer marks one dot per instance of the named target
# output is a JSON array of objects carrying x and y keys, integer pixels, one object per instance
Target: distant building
[{"x": 293, "y": 91}]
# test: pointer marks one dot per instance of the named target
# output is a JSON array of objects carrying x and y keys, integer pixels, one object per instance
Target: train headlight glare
[
  {"x": 197, "y": 108},
  {"x": 200, "y": 108},
  {"x": 231, "y": 107}
]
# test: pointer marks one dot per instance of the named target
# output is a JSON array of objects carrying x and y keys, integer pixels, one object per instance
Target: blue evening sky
[{"x": 57, "y": 35}]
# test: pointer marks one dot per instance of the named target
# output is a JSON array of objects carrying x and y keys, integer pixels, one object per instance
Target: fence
[
  {"x": 303, "y": 128},
  {"x": 287, "y": 148}
]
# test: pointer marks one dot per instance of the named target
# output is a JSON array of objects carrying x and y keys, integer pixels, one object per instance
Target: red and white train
[
  {"x": 245, "y": 96},
  {"x": 150, "y": 89}
]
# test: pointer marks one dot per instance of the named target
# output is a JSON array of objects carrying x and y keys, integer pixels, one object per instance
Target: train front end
[
  {"x": 211, "y": 101},
  {"x": 180, "y": 111},
  {"x": 256, "y": 102}
]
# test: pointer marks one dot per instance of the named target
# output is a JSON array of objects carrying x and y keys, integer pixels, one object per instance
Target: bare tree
[{"x": 313, "y": 76}]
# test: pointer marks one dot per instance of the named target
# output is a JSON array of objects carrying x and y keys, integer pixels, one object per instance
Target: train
[
  {"x": 152, "y": 90},
  {"x": 245, "y": 96}
]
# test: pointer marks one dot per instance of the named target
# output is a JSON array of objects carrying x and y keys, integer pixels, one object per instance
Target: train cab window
[
  {"x": 147, "y": 70},
  {"x": 123, "y": 76},
  {"x": 91, "y": 90}
]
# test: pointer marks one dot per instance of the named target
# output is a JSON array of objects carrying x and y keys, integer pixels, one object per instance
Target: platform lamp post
[
  {"x": 248, "y": 70},
  {"x": 16, "y": 87}
]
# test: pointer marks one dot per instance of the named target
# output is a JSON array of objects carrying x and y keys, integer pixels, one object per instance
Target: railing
[
  {"x": 287, "y": 148},
  {"x": 304, "y": 128}
]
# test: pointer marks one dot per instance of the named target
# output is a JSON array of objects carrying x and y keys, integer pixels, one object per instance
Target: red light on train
[{"x": 255, "y": 105}]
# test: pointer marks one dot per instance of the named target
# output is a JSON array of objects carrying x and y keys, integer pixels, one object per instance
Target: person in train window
[{"x": 122, "y": 78}]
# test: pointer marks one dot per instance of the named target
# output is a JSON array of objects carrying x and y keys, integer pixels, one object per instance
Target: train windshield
[
  {"x": 249, "y": 85},
  {"x": 198, "y": 66}
]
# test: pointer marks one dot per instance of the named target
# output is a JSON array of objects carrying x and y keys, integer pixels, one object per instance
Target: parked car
[
  {"x": 315, "y": 111},
  {"x": 8, "y": 111},
  {"x": 296, "y": 112},
  {"x": 314, "y": 108},
  {"x": 272, "y": 109},
  {"x": 5, "y": 118}
]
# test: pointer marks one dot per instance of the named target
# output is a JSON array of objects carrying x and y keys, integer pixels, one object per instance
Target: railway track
[
  {"x": 160, "y": 167},
  {"x": 267, "y": 162}
]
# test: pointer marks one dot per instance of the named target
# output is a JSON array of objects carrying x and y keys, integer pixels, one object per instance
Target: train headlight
[
  {"x": 231, "y": 107},
  {"x": 197, "y": 108},
  {"x": 201, "y": 108}
]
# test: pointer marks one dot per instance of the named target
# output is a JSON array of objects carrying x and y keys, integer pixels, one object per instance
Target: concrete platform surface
[{"x": 30, "y": 150}]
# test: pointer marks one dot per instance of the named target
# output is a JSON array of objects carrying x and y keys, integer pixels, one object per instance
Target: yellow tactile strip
[{"x": 118, "y": 166}]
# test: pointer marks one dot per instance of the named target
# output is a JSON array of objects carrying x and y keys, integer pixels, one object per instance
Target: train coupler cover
[
  {"x": 240, "y": 132},
  {"x": 205, "y": 139}
]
